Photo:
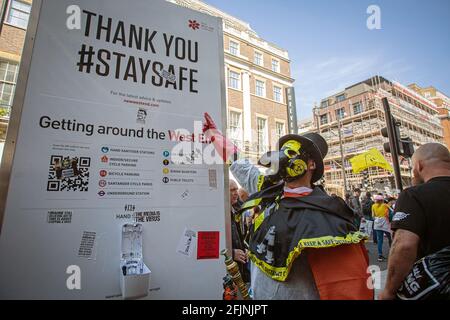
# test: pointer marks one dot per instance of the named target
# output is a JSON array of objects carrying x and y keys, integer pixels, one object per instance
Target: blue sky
[{"x": 330, "y": 46}]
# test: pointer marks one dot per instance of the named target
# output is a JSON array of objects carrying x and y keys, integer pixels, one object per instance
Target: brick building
[
  {"x": 15, "y": 16},
  {"x": 443, "y": 104},
  {"x": 14, "y": 20},
  {"x": 257, "y": 76},
  {"x": 357, "y": 116}
]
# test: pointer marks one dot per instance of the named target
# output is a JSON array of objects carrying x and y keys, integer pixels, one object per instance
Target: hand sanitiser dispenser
[{"x": 134, "y": 274}]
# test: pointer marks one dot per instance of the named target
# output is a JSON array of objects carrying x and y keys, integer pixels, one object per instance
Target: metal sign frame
[
  {"x": 17, "y": 107},
  {"x": 18, "y": 104}
]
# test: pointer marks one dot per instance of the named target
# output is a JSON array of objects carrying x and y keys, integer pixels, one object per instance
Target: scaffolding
[{"x": 361, "y": 131}]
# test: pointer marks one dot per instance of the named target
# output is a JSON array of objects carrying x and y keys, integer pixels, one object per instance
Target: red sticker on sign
[{"x": 208, "y": 245}]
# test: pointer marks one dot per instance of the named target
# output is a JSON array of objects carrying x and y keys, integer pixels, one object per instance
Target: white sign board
[{"x": 109, "y": 86}]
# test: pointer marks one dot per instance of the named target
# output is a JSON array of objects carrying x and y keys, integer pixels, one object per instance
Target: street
[{"x": 373, "y": 261}]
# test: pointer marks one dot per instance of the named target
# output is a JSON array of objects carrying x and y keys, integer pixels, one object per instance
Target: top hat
[{"x": 313, "y": 144}]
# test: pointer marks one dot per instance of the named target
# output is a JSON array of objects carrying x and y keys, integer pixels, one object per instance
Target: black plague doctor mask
[{"x": 288, "y": 164}]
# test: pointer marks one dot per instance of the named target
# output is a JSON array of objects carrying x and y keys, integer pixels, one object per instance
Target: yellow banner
[{"x": 371, "y": 158}]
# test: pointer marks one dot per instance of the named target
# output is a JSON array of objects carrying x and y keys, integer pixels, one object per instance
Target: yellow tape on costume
[
  {"x": 281, "y": 273},
  {"x": 259, "y": 220},
  {"x": 260, "y": 183}
]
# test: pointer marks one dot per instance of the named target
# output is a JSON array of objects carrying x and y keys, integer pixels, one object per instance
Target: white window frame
[
  {"x": 278, "y": 135},
  {"x": 10, "y": 8},
  {"x": 277, "y": 69},
  {"x": 320, "y": 119},
  {"x": 339, "y": 96},
  {"x": 281, "y": 100},
  {"x": 337, "y": 112},
  {"x": 262, "y": 58},
  {"x": 360, "y": 107},
  {"x": 238, "y": 48},
  {"x": 264, "y": 88},
  {"x": 11, "y": 83},
  {"x": 2, "y": 90},
  {"x": 262, "y": 148},
  {"x": 236, "y": 134},
  {"x": 230, "y": 78}
]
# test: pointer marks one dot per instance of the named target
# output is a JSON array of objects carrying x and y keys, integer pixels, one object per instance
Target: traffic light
[
  {"x": 395, "y": 145},
  {"x": 365, "y": 179},
  {"x": 386, "y": 145},
  {"x": 397, "y": 137},
  {"x": 408, "y": 147},
  {"x": 405, "y": 146}
]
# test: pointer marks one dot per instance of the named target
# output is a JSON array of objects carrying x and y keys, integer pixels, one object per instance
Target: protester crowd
[
  {"x": 294, "y": 241},
  {"x": 373, "y": 215}
]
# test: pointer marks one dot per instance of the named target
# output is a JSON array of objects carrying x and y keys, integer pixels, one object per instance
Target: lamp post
[
  {"x": 316, "y": 113},
  {"x": 342, "y": 151}
]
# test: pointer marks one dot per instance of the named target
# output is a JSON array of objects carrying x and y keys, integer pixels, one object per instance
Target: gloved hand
[{"x": 226, "y": 149}]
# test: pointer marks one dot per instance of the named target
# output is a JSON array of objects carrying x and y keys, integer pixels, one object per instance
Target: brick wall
[
  {"x": 273, "y": 111},
  {"x": 235, "y": 99},
  {"x": 446, "y": 126},
  {"x": 248, "y": 51},
  {"x": 12, "y": 38}
]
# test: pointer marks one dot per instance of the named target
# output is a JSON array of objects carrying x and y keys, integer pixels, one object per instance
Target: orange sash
[{"x": 340, "y": 272}]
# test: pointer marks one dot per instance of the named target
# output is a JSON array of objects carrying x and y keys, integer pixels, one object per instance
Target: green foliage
[{"x": 4, "y": 112}]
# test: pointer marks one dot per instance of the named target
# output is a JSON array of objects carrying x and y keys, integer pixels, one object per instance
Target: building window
[
  {"x": 18, "y": 14},
  {"x": 235, "y": 125},
  {"x": 277, "y": 94},
  {"x": 234, "y": 48},
  {"x": 260, "y": 88},
  {"x": 258, "y": 58},
  {"x": 280, "y": 131},
  {"x": 275, "y": 65},
  {"x": 357, "y": 108},
  {"x": 8, "y": 77},
  {"x": 262, "y": 135},
  {"x": 324, "y": 119},
  {"x": 234, "y": 80},
  {"x": 340, "y": 113},
  {"x": 340, "y": 98},
  {"x": 324, "y": 104},
  {"x": 6, "y": 95}
]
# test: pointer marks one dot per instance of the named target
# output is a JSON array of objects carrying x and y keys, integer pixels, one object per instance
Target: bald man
[{"x": 422, "y": 215}]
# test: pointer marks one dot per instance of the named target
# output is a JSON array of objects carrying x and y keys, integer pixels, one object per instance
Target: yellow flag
[{"x": 371, "y": 158}]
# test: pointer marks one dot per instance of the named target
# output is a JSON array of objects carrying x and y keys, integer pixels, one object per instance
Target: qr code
[{"x": 68, "y": 174}]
